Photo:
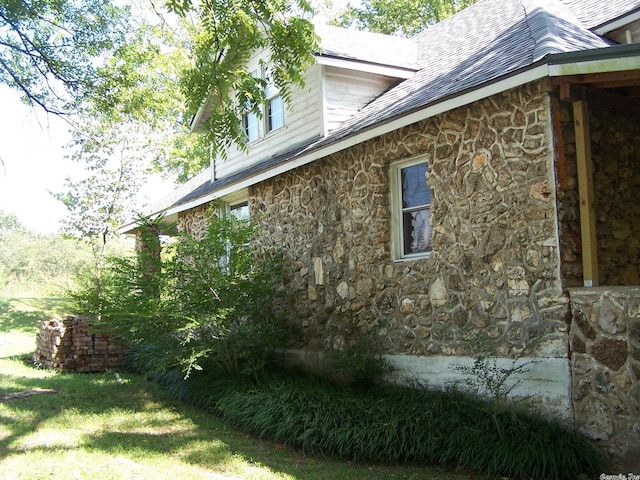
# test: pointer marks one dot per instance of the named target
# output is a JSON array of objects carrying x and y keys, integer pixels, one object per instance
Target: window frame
[
  {"x": 254, "y": 126},
  {"x": 398, "y": 211},
  {"x": 251, "y": 119},
  {"x": 235, "y": 200},
  {"x": 239, "y": 206},
  {"x": 272, "y": 93}
]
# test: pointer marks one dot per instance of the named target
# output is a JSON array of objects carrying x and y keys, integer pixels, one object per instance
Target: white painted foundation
[{"x": 545, "y": 382}]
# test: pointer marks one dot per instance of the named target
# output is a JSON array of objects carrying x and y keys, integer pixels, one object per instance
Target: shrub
[{"x": 204, "y": 301}]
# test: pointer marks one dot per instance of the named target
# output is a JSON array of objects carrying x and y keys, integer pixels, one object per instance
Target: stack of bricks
[{"x": 74, "y": 346}]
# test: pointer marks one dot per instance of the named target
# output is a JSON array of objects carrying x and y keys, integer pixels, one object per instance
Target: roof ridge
[{"x": 550, "y": 23}]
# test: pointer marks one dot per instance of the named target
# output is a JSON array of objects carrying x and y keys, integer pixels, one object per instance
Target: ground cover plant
[
  {"x": 395, "y": 424},
  {"x": 105, "y": 426}
]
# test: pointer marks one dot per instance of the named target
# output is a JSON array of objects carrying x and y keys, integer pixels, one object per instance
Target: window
[
  {"x": 275, "y": 104},
  {"x": 411, "y": 209},
  {"x": 240, "y": 210},
  {"x": 276, "y": 113},
  {"x": 272, "y": 111},
  {"x": 251, "y": 126}
]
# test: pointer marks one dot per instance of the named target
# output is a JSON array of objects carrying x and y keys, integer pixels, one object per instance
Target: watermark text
[{"x": 620, "y": 476}]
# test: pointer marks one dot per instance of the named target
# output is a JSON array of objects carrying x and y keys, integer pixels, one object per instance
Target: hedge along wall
[{"x": 73, "y": 346}]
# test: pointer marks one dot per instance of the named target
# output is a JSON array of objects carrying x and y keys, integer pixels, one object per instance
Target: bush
[
  {"x": 396, "y": 424},
  {"x": 205, "y": 301}
]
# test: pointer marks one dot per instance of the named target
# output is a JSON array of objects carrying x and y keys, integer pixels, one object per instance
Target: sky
[{"x": 33, "y": 163}]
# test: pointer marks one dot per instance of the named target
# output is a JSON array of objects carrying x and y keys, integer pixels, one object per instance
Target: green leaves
[
  {"x": 229, "y": 32},
  {"x": 397, "y": 425},
  {"x": 49, "y": 48},
  {"x": 206, "y": 303},
  {"x": 399, "y": 17}
]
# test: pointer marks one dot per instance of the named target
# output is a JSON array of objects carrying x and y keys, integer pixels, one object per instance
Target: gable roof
[
  {"x": 593, "y": 14},
  {"x": 481, "y": 45},
  {"x": 486, "y": 41},
  {"x": 368, "y": 47}
]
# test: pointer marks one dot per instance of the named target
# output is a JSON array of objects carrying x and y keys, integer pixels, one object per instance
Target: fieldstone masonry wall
[
  {"x": 72, "y": 346},
  {"x": 504, "y": 204},
  {"x": 492, "y": 281},
  {"x": 194, "y": 221},
  {"x": 605, "y": 361}
]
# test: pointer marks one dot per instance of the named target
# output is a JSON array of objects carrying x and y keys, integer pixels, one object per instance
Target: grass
[{"x": 107, "y": 427}]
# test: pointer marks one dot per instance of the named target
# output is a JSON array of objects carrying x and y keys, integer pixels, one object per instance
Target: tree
[
  {"x": 398, "y": 17},
  {"x": 228, "y": 32},
  {"x": 49, "y": 48},
  {"x": 39, "y": 264},
  {"x": 9, "y": 222}
]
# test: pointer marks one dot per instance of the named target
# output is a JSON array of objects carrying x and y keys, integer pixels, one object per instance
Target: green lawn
[{"x": 105, "y": 426}]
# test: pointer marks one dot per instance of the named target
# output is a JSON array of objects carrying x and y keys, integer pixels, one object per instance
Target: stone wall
[
  {"x": 605, "y": 362},
  {"x": 615, "y": 146},
  {"x": 73, "y": 346},
  {"x": 194, "y": 221},
  {"x": 492, "y": 281}
]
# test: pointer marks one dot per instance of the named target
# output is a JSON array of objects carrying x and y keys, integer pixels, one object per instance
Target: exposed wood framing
[
  {"x": 585, "y": 188},
  {"x": 561, "y": 159},
  {"x": 599, "y": 99}
]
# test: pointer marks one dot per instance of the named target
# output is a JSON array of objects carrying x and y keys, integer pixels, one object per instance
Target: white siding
[
  {"x": 330, "y": 96},
  {"x": 303, "y": 121},
  {"x": 347, "y": 91}
]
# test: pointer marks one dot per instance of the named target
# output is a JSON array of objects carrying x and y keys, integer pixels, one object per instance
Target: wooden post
[{"x": 585, "y": 190}]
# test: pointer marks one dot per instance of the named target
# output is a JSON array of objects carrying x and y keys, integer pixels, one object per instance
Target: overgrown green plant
[
  {"x": 205, "y": 302},
  {"x": 485, "y": 377},
  {"x": 361, "y": 364},
  {"x": 356, "y": 359}
]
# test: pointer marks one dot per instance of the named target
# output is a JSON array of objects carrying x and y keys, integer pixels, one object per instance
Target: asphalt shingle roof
[
  {"x": 368, "y": 47},
  {"x": 485, "y": 42},
  {"x": 595, "y": 13}
]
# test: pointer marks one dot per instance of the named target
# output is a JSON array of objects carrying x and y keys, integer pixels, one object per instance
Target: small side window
[
  {"x": 411, "y": 210},
  {"x": 240, "y": 210}
]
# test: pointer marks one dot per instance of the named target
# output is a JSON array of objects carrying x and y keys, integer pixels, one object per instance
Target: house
[{"x": 471, "y": 190}]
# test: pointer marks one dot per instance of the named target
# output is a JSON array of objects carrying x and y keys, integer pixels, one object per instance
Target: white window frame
[
  {"x": 251, "y": 125},
  {"x": 398, "y": 240},
  {"x": 272, "y": 94},
  {"x": 235, "y": 201},
  {"x": 239, "y": 210},
  {"x": 251, "y": 121}
]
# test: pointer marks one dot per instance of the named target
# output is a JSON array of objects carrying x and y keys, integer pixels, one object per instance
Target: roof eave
[
  {"x": 615, "y": 58},
  {"x": 616, "y": 23}
]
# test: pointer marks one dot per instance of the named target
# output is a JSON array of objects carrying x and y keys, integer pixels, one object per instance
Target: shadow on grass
[
  {"x": 140, "y": 420},
  {"x": 26, "y": 314}
]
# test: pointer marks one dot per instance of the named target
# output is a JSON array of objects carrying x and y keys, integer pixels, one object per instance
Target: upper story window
[
  {"x": 411, "y": 209},
  {"x": 275, "y": 103},
  {"x": 251, "y": 125},
  {"x": 272, "y": 111}
]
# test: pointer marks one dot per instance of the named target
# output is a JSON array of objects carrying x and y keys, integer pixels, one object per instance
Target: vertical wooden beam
[
  {"x": 561, "y": 157},
  {"x": 585, "y": 190}
]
